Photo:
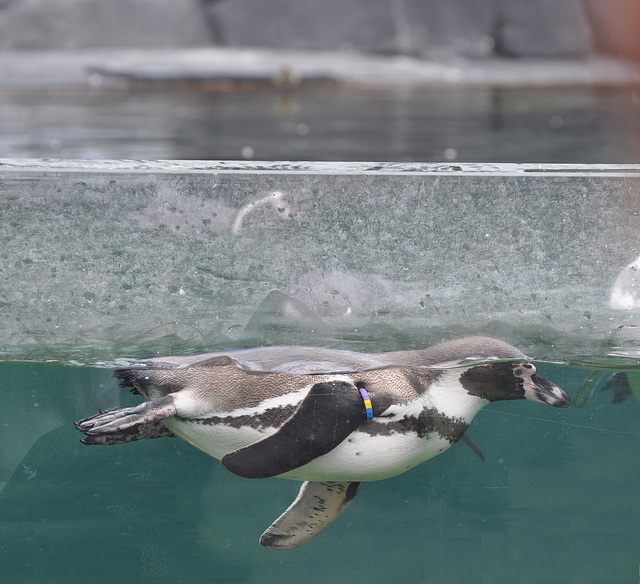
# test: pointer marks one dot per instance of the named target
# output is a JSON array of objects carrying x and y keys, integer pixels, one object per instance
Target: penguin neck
[{"x": 448, "y": 396}]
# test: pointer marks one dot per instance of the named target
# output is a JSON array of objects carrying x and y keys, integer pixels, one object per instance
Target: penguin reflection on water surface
[{"x": 331, "y": 418}]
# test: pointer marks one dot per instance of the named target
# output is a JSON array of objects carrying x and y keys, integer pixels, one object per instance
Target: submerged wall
[{"x": 106, "y": 260}]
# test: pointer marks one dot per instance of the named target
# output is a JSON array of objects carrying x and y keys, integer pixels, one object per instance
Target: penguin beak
[{"x": 539, "y": 389}]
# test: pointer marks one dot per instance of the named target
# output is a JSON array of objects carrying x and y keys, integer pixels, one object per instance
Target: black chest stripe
[
  {"x": 270, "y": 418},
  {"x": 428, "y": 421}
]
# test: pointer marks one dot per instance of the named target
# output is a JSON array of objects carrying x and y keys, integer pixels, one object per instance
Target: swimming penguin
[{"x": 331, "y": 418}]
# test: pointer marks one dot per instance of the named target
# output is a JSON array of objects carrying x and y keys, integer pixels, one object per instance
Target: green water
[{"x": 556, "y": 500}]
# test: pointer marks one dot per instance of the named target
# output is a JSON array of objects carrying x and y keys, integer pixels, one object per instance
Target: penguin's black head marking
[
  {"x": 507, "y": 381},
  {"x": 494, "y": 382},
  {"x": 519, "y": 370}
]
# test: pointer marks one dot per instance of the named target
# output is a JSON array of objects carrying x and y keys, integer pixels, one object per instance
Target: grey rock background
[
  {"x": 422, "y": 28},
  {"x": 544, "y": 28},
  {"x": 75, "y": 24}
]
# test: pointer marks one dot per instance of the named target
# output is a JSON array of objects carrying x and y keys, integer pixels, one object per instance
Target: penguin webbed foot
[
  {"x": 122, "y": 425},
  {"x": 317, "y": 506},
  {"x": 619, "y": 382}
]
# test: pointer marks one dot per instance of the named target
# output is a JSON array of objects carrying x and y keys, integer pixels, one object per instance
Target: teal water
[{"x": 556, "y": 500}]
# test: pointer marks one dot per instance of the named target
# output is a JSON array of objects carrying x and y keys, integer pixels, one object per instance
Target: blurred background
[{"x": 394, "y": 80}]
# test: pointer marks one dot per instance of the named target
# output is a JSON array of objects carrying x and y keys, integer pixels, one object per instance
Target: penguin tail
[{"x": 129, "y": 378}]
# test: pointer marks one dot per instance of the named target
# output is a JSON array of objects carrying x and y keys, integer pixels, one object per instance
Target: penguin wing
[
  {"x": 325, "y": 417},
  {"x": 316, "y": 507}
]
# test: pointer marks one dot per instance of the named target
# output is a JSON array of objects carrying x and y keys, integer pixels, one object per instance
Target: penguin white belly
[
  {"x": 216, "y": 439},
  {"x": 361, "y": 457}
]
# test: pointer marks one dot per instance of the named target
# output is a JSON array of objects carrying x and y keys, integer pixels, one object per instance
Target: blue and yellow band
[{"x": 367, "y": 402}]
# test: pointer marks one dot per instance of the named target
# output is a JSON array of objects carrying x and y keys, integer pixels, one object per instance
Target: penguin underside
[{"x": 324, "y": 418}]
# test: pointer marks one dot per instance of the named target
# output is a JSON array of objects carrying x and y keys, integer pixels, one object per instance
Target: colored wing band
[{"x": 367, "y": 402}]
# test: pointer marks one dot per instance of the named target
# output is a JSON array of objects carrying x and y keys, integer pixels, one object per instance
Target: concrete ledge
[
  {"x": 231, "y": 68},
  {"x": 33, "y": 166}
]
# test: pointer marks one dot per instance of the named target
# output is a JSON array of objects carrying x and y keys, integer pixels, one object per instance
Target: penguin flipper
[
  {"x": 325, "y": 417},
  {"x": 315, "y": 508}
]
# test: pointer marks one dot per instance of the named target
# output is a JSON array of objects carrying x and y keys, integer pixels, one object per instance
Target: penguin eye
[{"x": 519, "y": 371}]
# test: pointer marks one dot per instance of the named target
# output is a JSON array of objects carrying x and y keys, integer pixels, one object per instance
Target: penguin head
[
  {"x": 513, "y": 380},
  {"x": 538, "y": 388}
]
